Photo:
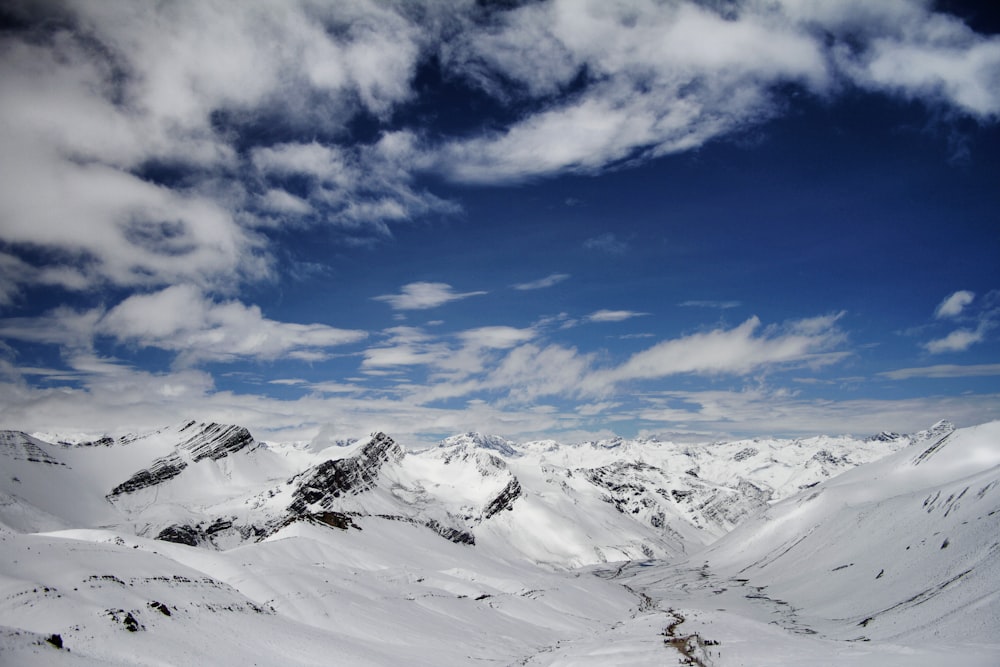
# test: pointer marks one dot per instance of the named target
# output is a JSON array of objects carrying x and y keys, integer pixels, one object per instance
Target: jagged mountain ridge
[
  {"x": 215, "y": 485},
  {"x": 363, "y": 553}
]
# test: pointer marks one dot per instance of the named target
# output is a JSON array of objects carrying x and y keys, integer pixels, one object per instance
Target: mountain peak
[{"x": 479, "y": 440}]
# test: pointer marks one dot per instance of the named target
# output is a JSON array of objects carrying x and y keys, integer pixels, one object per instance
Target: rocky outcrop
[
  {"x": 504, "y": 500},
  {"x": 204, "y": 441},
  {"x": 456, "y": 535},
  {"x": 214, "y": 441},
  {"x": 162, "y": 470},
  {"x": 209, "y": 533},
  {"x": 321, "y": 485},
  {"x": 474, "y": 439},
  {"x": 22, "y": 447}
]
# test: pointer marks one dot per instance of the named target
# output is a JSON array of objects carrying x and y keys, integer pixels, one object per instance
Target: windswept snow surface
[
  {"x": 482, "y": 549},
  {"x": 893, "y": 563}
]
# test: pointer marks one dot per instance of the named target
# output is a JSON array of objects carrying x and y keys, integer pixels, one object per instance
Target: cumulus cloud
[
  {"x": 424, "y": 295},
  {"x": 160, "y": 148},
  {"x": 94, "y": 94},
  {"x": 132, "y": 146},
  {"x": 183, "y": 320},
  {"x": 954, "y": 304}
]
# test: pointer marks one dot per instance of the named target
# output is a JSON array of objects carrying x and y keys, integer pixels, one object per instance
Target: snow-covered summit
[
  {"x": 502, "y": 446},
  {"x": 461, "y": 551}
]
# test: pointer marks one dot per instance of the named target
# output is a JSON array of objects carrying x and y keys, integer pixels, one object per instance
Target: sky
[{"x": 562, "y": 219}]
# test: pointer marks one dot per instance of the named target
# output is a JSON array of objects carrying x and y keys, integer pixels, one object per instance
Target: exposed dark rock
[
  {"x": 333, "y": 519},
  {"x": 218, "y": 526},
  {"x": 449, "y": 533},
  {"x": 884, "y": 436},
  {"x": 205, "y": 441},
  {"x": 504, "y": 500},
  {"x": 823, "y": 456},
  {"x": 22, "y": 447},
  {"x": 216, "y": 441},
  {"x": 160, "y": 607},
  {"x": 329, "y": 480},
  {"x": 207, "y": 533},
  {"x": 127, "y": 620},
  {"x": 55, "y": 640},
  {"x": 189, "y": 535},
  {"x": 483, "y": 441},
  {"x": 162, "y": 470}
]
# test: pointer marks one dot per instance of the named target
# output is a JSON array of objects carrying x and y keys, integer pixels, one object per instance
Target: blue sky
[{"x": 559, "y": 219}]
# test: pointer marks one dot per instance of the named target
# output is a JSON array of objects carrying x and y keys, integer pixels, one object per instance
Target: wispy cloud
[
  {"x": 181, "y": 92},
  {"x": 957, "y": 341},
  {"x": 737, "y": 351},
  {"x": 944, "y": 371},
  {"x": 666, "y": 78},
  {"x": 542, "y": 283},
  {"x": 763, "y": 410},
  {"x": 958, "y": 306},
  {"x": 608, "y": 243},
  {"x": 613, "y": 315},
  {"x": 723, "y": 305},
  {"x": 424, "y": 295}
]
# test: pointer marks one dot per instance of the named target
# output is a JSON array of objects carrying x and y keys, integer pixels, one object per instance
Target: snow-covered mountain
[{"x": 472, "y": 549}]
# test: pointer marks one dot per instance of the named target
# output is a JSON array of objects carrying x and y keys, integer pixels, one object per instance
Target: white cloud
[
  {"x": 542, "y": 283},
  {"x": 613, "y": 315},
  {"x": 183, "y": 320},
  {"x": 735, "y": 351},
  {"x": 944, "y": 371},
  {"x": 118, "y": 88},
  {"x": 608, "y": 243},
  {"x": 424, "y": 295},
  {"x": 664, "y": 77},
  {"x": 327, "y": 163},
  {"x": 654, "y": 78},
  {"x": 62, "y": 326},
  {"x": 710, "y": 304},
  {"x": 954, "y": 304},
  {"x": 496, "y": 337},
  {"x": 531, "y": 371},
  {"x": 957, "y": 341},
  {"x": 763, "y": 411}
]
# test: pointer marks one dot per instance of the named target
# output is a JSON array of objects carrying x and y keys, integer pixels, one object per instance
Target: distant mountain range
[{"x": 448, "y": 550}]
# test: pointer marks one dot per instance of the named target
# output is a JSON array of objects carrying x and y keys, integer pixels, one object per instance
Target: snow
[{"x": 820, "y": 551}]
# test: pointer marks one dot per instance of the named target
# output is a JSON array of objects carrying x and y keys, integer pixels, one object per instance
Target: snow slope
[
  {"x": 817, "y": 551},
  {"x": 897, "y": 560}
]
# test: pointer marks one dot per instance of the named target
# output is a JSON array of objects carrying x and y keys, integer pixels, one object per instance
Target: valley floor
[{"x": 320, "y": 596}]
